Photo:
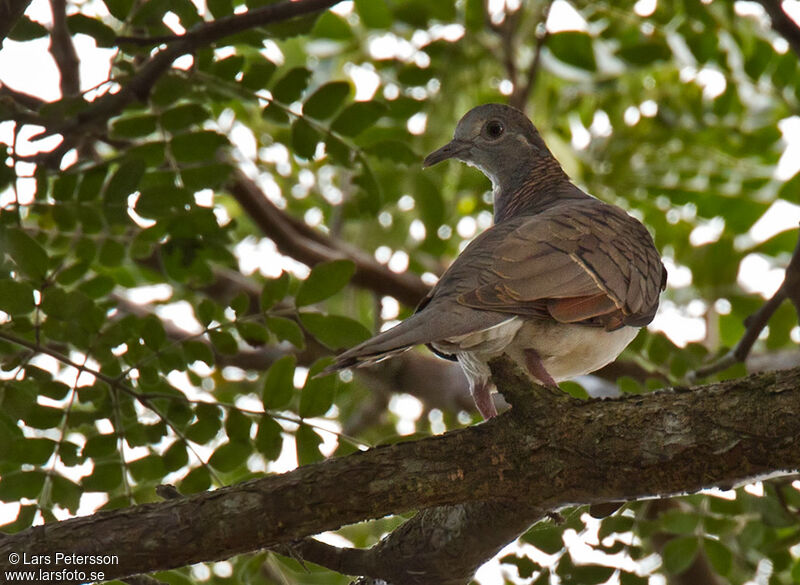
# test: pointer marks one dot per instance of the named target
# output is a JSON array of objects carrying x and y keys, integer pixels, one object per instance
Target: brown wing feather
[{"x": 580, "y": 262}]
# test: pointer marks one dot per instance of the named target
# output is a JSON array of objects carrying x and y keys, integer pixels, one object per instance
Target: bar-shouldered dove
[{"x": 561, "y": 282}]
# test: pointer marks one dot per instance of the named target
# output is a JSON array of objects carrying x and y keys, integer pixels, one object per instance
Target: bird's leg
[
  {"x": 482, "y": 395},
  {"x": 536, "y": 368}
]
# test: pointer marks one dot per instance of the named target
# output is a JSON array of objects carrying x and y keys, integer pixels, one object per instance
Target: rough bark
[{"x": 548, "y": 451}]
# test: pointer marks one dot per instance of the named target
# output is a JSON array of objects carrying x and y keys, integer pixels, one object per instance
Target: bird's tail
[{"x": 394, "y": 341}]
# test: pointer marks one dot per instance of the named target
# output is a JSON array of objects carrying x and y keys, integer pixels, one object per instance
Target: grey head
[{"x": 503, "y": 144}]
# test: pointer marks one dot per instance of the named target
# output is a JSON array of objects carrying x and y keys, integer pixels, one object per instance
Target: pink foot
[
  {"x": 536, "y": 369},
  {"x": 482, "y": 396}
]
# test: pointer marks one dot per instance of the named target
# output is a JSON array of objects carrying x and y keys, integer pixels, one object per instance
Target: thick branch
[
  {"x": 539, "y": 454},
  {"x": 295, "y": 239}
]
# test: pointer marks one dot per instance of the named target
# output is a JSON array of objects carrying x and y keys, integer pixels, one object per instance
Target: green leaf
[
  {"x": 119, "y": 9},
  {"x": 229, "y": 456},
  {"x": 100, "y": 446},
  {"x": 326, "y": 101},
  {"x": 27, "y": 254},
  {"x": 201, "y": 146},
  {"x": 318, "y": 393},
  {"x": 112, "y": 253},
  {"x": 149, "y": 467},
  {"x": 269, "y": 438},
  {"x": 307, "y": 442},
  {"x": 289, "y": 87},
  {"x": 304, "y": 139},
  {"x": 197, "y": 480},
  {"x": 525, "y": 566},
  {"x": 325, "y": 280},
  {"x": 335, "y": 331},
  {"x": 153, "y": 333},
  {"x": 254, "y": 334},
  {"x": 197, "y": 351},
  {"x": 394, "y": 151},
  {"x": 258, "y": 73},
  {"x": 357, "y": 117},
  {"x": 374, "y": 13},
  {"x": 175, "y": 457},
  {"x": 64, "y": 187},
  {"x": 35, "y": 451},
  {"x": 16, "y": 298},
  {"x": 66, "y": 493},
  {"x": 332, "y": 26},
  {"x": 237, "y": 426},
  {"x": 279, "y": 383},
  {"x": 719, "y": 555},
  {"x": 103, "y": 34},
  {"x": 207, "y": 425},
  {"x": 286, "y": 330},
  {"x": 431, "y": 204},
  {"x": 123, "y": 182},
  {"x": 183, "y": 116},
  {"x": 104, "y": 478},
  {"x": 224, "y": 342},
  {"x": 678, "y": 522},
  {"x": 273, "y": 291},
  {"x": 679, "y": 553},
  {"x": 27, "y": 30},
  {"x": 645, "y": 53},
  {"x": 16, "y": 485},
  {"x": 573, "y": 48},
  {"x": 97, "y": 287},
  {"x": 546, "y": 538}
]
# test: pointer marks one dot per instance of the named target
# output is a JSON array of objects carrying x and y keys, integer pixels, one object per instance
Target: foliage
[{"x": 140, "y": 346}]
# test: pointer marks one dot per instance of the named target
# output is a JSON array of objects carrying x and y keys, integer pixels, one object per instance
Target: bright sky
[{"x": 683, "y": 324}]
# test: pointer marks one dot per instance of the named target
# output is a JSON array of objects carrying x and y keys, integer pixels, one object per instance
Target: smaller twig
[
  {"x": 147, "y": 41},
  {"x": 25, "y": 100},
  {"x": 755, "y": 323},
  {"x": 63, "y": 50},
  {"x": 521, "y": 93}
]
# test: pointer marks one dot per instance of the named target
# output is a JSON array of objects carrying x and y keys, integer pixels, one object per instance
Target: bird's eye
[{"x": 494, "y": 129}]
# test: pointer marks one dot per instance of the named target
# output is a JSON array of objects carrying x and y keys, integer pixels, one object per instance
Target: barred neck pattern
[{"x": 541, "y": 187}]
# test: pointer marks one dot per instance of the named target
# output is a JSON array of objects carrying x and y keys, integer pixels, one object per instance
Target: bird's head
[
  {"x": 497, "y": 139},
  {"x": 503, "y": 144}
]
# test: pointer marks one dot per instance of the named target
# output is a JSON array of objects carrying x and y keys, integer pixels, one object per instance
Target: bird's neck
[{"x": 531, "y": 189}]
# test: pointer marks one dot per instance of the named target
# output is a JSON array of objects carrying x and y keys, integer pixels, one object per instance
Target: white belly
[{"x": 565, "y": 350}]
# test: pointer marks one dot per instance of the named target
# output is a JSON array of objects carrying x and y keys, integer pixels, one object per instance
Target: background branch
[
  {"x": 755, "y": 323},
  {"x": 782, "y": 24}
]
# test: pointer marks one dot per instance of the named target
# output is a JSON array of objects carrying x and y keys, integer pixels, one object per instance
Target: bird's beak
[{"x": 452, "y": 149}]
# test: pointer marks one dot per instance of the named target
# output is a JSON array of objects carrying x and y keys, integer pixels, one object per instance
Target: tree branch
[
  {"x": 139, "y": 85},
  {"x": 295, "y": 239},
  {"x": 782, "y": 24},
  {"x": 535, "y": 455},
  {"x": 63, "y": 51},
  {"x": 755, "y": 323}
]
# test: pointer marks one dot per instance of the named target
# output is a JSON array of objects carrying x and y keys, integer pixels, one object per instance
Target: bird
[{"x": 561, "y": 281}]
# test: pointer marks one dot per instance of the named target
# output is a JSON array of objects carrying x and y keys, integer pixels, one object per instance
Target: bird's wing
[{"x": 581, "y": 262}]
